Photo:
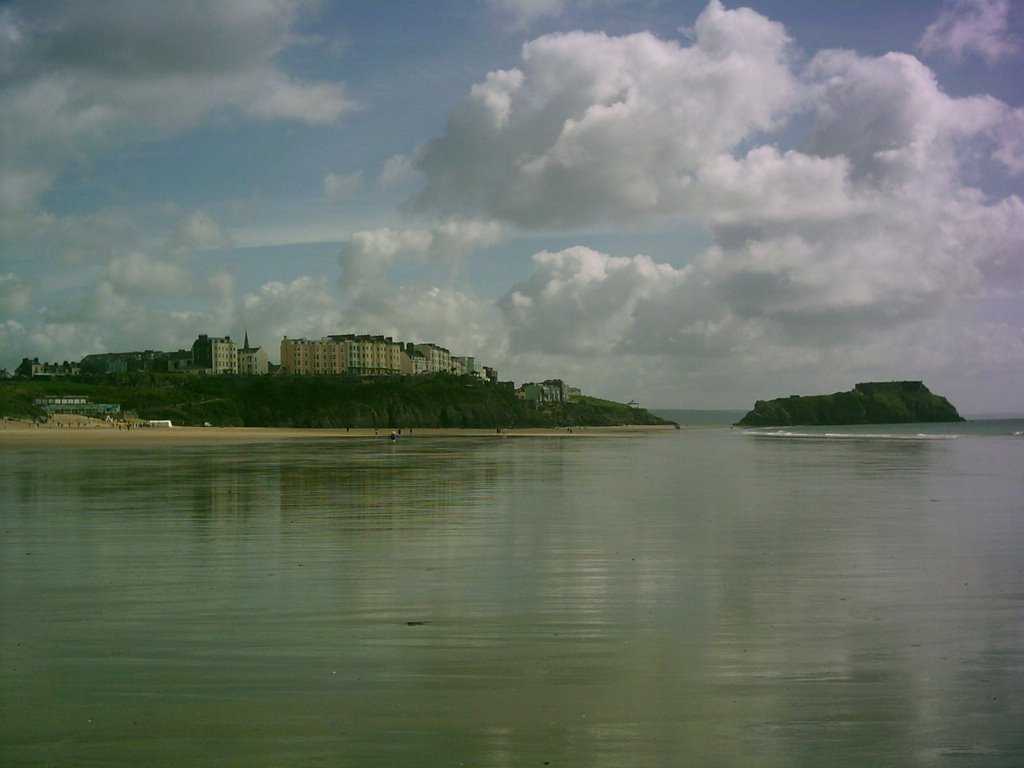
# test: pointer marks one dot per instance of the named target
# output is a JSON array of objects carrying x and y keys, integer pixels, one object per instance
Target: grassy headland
[{"x": 439, "y": 401}]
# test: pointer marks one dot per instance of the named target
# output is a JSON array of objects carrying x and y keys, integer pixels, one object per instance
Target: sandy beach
[{"x": 73, "y": 431}]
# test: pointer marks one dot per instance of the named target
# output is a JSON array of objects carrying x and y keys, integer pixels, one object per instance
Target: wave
[{"x": 785, "y": 434}]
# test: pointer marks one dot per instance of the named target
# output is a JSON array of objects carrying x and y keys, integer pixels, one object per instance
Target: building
[
  {"x": 76, "y": 404},
  {"x": 466, "y": 366},
  {"x": 358, "y": 354},
  {"x": 372, "y": 355},
  {"x": 414, "y": 362},
  {"x": 438, "y": 359},
  {"x": 130, "y": 362},
  {"x": 252, "y": 361},
  {"x": 549, "y": 391},
  {"x": 215, "y": 355},
  {"x": 31, "y": 368},
  {"x": 304, "y": 357}
]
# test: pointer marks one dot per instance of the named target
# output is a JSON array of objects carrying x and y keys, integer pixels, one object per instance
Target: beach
[
  {"x": 83, "y": 432},
  {"x": 239, "y": 598}
]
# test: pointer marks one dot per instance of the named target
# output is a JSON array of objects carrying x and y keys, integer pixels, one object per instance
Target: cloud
[
  {"x": 864, "y": 225},
  {"x": 302, "y": 308},
  {"x": 525, "y": 12},
  {"x": 1009, "y": 135},
  {"x": 966, "y": 27},
  {"x": 889, "y": 118},
  {"x": 681, "y": 333},
  {"x": 283, "y": 98},
  {"x": 82, "y": 78},
  {"x": 400, "y": 282},
  {"x": 594, "y": 127},
  {"x": 338, "y": 185},
  {"x": 138, "y": 274},
  {"x": 398, "y": 170},
  {"x": 582, "y": 302},
  {"x": 15, "y": 296},
  {"x": 199, "y": 231},
  {"x": 369, "y": 254}
]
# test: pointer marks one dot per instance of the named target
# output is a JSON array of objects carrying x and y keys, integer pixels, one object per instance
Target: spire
[{"x": 246, "y": 339}]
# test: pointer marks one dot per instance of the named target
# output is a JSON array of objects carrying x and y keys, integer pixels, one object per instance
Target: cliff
[
  {"x": 895, "y": 402},
  {"x": 319, "y": 401}
]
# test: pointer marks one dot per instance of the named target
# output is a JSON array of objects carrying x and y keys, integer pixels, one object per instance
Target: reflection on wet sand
[{"x": 679, "y": 599}]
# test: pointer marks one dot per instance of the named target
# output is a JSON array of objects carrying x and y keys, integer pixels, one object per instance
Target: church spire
[{"x": 246, "y": 339}]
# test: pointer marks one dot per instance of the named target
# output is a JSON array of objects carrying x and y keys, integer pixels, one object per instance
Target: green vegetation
[
  {"x": 319, "y": 401},
  {"x": 895, "y": 402}
]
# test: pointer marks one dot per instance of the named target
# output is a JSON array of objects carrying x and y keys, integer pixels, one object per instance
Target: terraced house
[{"x": 358, "y": 354}]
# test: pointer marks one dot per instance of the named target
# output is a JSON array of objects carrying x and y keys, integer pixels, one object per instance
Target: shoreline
[{"x": 82, "y": 433}]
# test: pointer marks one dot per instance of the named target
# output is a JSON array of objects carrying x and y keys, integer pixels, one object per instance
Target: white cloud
[
  {"x": 423, "y": 303},
  {"x": 1009, "y": 150},
  {"x": 965, "y": 27},
  {"x": 369, "y": 254},
  {"x": 866, "y": 225},
  {"x": 398, "y": 171},
  {"x": 302, "y": 308},
  {"x": 283, "y": 98},
  {"x": 595, "y": 127},
  {"x": 337, "y": 185},
  {"x": 199, "y": 231},
  {"x": 423, "y": 312},
  {"x": 582, "y": 302},
  {"x": 15, "y": 296},
  {"x": 679, "y": 332},
  {"x": 890, "y": 119},
  {"x": 84, "y": 77},
  {"x": 525, "y": 12},
  {"x": 138, "y": 274}
]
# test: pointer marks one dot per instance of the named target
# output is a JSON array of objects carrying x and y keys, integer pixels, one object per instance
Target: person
[{"x": 394, "y": 435}]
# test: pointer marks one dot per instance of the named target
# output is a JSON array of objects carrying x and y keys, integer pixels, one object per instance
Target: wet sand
[{"x": 85, "y": 432}]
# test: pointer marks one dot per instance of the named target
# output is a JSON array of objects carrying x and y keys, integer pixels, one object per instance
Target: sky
[{"x": 689, "y": 204}]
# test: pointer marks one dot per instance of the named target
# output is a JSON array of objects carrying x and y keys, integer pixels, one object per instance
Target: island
[{"x": 891, "y": 402}]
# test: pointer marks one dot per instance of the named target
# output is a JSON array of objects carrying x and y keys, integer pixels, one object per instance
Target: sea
[{"x": 696, "y": 597}]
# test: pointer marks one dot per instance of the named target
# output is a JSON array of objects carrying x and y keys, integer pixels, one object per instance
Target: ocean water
[{"x": 710, "y": 598}]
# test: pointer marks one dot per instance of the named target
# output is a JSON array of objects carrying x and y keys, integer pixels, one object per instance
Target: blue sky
[{"x": 689, "y": 204}]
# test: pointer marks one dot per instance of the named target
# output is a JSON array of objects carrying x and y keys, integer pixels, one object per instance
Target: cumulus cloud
[
  {"x": 890, "y": 119},
  {"x": 865, "y": 224},
  {"x": 80, "y": 78},
  {"x": 369, "y": 254},
  {"x": 598, "y": 127},
  {"x": 425, "y": 303},
  {"x": 697, "y": 333},
  {"x": 582, "y": 302},
  {"x": 302, "y": 308},
  {"x": 966, "y": 27}
]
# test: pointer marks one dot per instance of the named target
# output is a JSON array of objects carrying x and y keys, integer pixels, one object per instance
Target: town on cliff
[
  {"x": 343, "y": 380},
  {"x": 339, "y": 354}
]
